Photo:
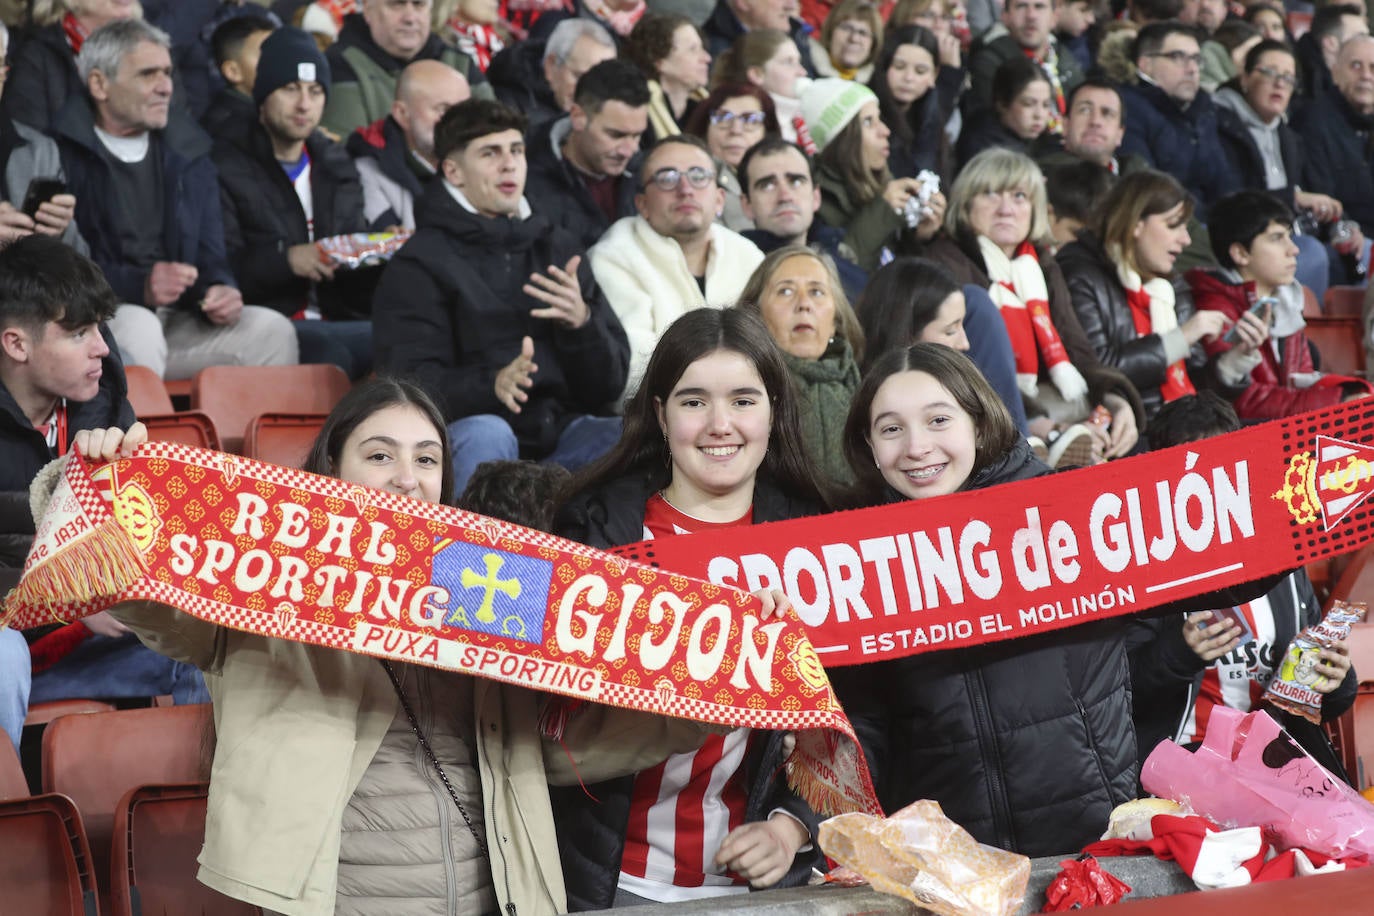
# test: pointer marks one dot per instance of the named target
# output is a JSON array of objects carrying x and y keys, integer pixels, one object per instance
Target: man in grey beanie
[{"x": 285, "y": 185}]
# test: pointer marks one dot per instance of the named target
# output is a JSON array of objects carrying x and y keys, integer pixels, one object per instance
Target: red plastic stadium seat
[
  {"x": 146, "y": 392},
  {"x": 1311, "y": 308},
  {"x": 12, "y": 781},
  {"x": 1356, "y": 583},
  {"x": 46, "y": 865},
  {"x": 282, "y": 438},
  {"x": 1340, "y": 342},
  {"x": 96, "y": 759},
  {"x": 190, "y": 427},
  {"x": 234, "y": 395},
  {"x": 158, "y": 832},
  {"x": 1343, "y": 302},
  {"x": 43, "y": 713}
]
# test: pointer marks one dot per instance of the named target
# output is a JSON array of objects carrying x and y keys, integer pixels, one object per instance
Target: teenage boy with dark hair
[
  {"x": 582, "y": 165},
  {"x": 59, "y": 375},
  {"x": 495, "y": 311},
  {"x": 236, "y": 45},
  {"x": 1252, "y": 239}
]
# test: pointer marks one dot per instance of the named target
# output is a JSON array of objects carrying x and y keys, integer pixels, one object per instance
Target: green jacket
[
  {"x": 364, "y": 76},
  {"x": 826, "y": 386},
  {"x": 867, "y": 227}
]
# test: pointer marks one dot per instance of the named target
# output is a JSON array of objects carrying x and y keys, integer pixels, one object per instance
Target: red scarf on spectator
[
  {"x": 478, "y": 41},
  {"x": 1049, "y": 65},
  {"x": 622, "y": 22},
  {"x": 1018, "y": 288},
  {"x": 1152, "y": 311},
  {"x": 76, "y": 34}
]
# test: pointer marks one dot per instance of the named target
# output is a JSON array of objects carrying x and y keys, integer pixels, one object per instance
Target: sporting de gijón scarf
[{"x": 1059, "y": 550}]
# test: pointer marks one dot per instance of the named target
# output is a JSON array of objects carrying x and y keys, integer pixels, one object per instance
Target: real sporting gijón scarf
[{"x": 291, "y": 555}]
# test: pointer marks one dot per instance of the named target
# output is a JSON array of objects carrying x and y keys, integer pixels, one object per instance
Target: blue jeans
[
  {"x": 346, "y": 344},
  {"x": 990, "y": 349},
  {"x": 487, "y": 437},
  {"x": 110, "y": 668},
  {"x": 15, "y": 681}
]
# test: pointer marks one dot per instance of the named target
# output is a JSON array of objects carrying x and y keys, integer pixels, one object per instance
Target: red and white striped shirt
[{"x": 682, "y": 809}]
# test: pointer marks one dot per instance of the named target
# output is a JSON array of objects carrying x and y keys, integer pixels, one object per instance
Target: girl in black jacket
[
  {"x": 1027, "y": 744},
  {"x": 712, "y": 439},
  {"x": 917, "y": 88}
]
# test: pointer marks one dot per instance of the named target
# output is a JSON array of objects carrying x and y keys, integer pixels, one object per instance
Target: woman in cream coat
[{"x": 322, "y": 801}]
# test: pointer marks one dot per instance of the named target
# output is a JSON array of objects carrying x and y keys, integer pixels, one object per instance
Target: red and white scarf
[
  {"x": 1153, "y": 312},
  {"x": 622, "y": 22},
  {"x": 1018, "y": 288},
  {"x": 479, "y": 41},
  {"x": 76, "y": 33}
]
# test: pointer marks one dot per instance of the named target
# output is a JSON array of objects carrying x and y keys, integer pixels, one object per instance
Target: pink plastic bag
[{"x": 1249, "y": 772}]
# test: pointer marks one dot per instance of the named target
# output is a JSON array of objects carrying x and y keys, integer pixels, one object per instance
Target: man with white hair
[
  {"x": 147, "y": 195},
  {"x": 395, "y": 155},
  {"x": 539, "y": 80},
  {"x": 374, "y": 46},
  {"x": 1335, "y": 127}
]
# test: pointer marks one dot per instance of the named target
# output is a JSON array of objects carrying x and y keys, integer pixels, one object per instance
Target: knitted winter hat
[
  {"x": 289, "y": 55},
  {"x": 827, "y": 105}
]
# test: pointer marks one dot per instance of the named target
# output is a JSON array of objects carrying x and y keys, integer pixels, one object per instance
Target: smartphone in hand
[
  {"x": 1258, "y": 309},
  {"x": 41, "y": 190}
]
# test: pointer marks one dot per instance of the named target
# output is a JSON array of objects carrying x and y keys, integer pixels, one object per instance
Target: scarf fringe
[
  {"x": 97, "y": 565},
  {"x": 829, "y": 776}
]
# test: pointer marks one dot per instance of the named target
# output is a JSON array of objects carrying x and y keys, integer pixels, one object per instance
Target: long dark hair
[
  {"x": 995, "y": 430},
  {"x": 364, "y": 400},
  {"x": 901, "y": 298},
  {"x": 643, "y": 449},
  {"x": 902, "y": 124}
]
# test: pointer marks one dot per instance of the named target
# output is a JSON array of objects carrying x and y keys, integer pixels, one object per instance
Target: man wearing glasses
[
  {"x": 673, "y": 257},
  {"x": 1267, "y": 153},
  {"x": 1170, "y": 121},
  {"x": 1335, "y": 127}
]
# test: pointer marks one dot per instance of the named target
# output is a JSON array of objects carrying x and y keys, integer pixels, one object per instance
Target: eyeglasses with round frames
[
  {"x": 669, "y": 179},
  {"x": 1180, "y": 57},
  {"x": 1287, "y": 80},
  {"x": 723, "y": 118}
]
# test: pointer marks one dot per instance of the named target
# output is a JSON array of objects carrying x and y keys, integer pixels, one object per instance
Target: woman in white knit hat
[{"x": 858, "y": 192}]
